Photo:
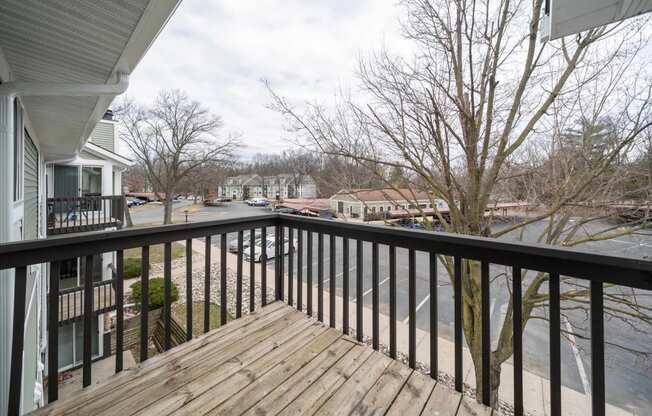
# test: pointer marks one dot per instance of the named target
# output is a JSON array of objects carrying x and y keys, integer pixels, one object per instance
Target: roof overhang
[
  {"x": 79, "y": 54},
  {"x": 120, "y": 161},
  {"x": 567, "y": 17}
]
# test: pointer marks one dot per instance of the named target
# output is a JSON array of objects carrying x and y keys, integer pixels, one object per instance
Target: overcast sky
[{"x": 218, "y": 51}]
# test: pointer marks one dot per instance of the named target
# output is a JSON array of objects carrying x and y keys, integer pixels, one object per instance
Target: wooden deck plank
[
  {"x": 277, "y": 361},
  {"x": 329, "y": 344},
  {"x": 176, "y": 371},
  {"x": 208, "y": 392},
  {"x": 382, "y": 394},
  {"x": 413, "y": 397},
  {"x": 177, "y": 388},
  {"x": 289, "y": 390},
  {"x": 443, "y": 401},
  {"x": 352, "y": 391},
  {"x": 469, "y": 407},
  {"x": 311, "y": 399},
  {"x": 128, "y": 380}
]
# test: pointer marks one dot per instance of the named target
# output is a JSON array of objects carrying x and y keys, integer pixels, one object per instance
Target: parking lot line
[{"x": 366, "y": 292}]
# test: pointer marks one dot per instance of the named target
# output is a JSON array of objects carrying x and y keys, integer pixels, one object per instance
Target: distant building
[
  {"x": 362, "y": 202},
  {"x": 284, "y": 185}
]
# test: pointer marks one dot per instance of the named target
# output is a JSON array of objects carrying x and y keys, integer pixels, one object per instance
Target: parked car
[
  {"x": 135, "y": 202},
  {"x": 410, "y": 223},
  {"x": 270, "y": 248},
  {"x": 257, "y": 202},
  {"x": 233, "y": 245},
  {"x": 217, "y": 202}
]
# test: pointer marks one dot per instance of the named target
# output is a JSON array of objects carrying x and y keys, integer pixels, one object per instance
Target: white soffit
[
  {"x": 569, "y": 17},
  {"x": 75, "y": 41}
]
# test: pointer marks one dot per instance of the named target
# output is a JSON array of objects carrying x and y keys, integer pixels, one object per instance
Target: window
[
  {"x": 91, "y": 181},
  {"x": 381, "y": 209},
  {"x": 18, "y": 151}
]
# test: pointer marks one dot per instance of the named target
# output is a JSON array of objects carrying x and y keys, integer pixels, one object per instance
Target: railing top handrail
[
  {"x": 574, "y": 262},
  {"x": 628, "y": 271},
  {"x": 78, "y": 198},
  {"x": 61, "y": 247}
]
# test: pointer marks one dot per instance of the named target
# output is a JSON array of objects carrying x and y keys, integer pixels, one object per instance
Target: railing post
[
  {"x": 53, "y": 333},
  {"x": 119, "y": 332},
  {"x": 485, "y": 334},
  {"x": 17, "y": 341},
  {"x": 434, "y": 350},
  {"x": 555, "y": 345},
  {"x": 238, "y": 281},
  {"x": 88, "y": 323},
  {"x": 517, "y": 324},
  {"x": 375, "y": 304},
  {"x": 167, "y": 295},
  {"x": 332, "y": 282},
  {"x": 345, "y": 285},
  {"x": 252, "y": 270},
  {"x": 223, "y": 282},
  {"x": 189, "y": 304},
  {"x": 458, "y": 324},
  {"x": 597, "y": 349},
  {"x": 207, "y": 282},
  {"x": 144, "y": 303},
  {"x": 263, "y": 266}
]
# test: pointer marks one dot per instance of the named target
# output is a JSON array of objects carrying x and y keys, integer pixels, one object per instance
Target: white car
[
  {"x": 270, "y": 249},
  {"x": 233, "y": 245},
  {"x": 257, "y": 202}
]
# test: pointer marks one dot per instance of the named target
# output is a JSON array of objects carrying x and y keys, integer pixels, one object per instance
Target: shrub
[
  {"x": 156, "y": 292},
  {"x": 132, "y": 267}
]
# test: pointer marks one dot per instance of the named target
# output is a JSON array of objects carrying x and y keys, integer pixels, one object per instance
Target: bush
[
  {"x": 132, "y": 267},
  {"x": 156, "y": 292}
]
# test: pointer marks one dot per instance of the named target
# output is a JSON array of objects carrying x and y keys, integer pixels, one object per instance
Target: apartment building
[{"x": 284, "y": 185}]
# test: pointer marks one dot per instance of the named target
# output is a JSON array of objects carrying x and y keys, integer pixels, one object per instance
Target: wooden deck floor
[{"x": 276, "y": 361}]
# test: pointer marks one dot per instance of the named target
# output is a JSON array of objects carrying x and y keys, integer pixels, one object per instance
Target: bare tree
[
  {"x": 171, "y": 139},
  {"x": 479, "y": 97}
]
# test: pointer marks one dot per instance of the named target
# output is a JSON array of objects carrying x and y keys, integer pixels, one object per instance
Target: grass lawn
[
  {"x": 179, "y": 311},
  {"x": 156, "y": 252}
]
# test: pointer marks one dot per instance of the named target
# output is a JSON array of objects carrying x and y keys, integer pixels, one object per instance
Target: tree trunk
[
  {"x": 167, "y": 210},
  {"x": 127, "y": 213}
]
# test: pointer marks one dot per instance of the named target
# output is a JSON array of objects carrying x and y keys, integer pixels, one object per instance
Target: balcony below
[
  {"x": 274, "y": 361},
  {"x": 84, "y": 213}
]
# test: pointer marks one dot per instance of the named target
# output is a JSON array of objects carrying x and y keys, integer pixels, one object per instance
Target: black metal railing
[
  {"x": 597, "y": 269},
  {"x": 71, "y": 300},
  {"x": 84, "y": 213}
]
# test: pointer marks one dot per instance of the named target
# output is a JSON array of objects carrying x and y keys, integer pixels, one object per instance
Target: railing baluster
[
  {"x": 555, "y": 346},
  {"x": 189, "y": 305},
  {"x": 300, "y": 269},
  {"x": 290, "y": 266},
  {"x": 412, "y": 306},
  {"x": 263, "y": 266},
  {"x": 88, "y": 323},
  {"x": 238, "y": 283},
  {"x": 207, "y": 283},
  {"x": 120, "y": 313},
  {"x": 434, "y": 350},
  {"x": 167, "y": 294},
  {"x": 309, "y": 261},
  {"x": 278, "y": 262},
  {"x": 223, "y": 282},
  {"x": 17, "y": 341},
  {"x": 252, "y": 270},
  {"x": 597, "y": 349},
  {"x": 359, "y": 330},
  {"x": 458, "y": 324},
  {"x": 392, "y": 301},
  {"x": 332, "y": 286},
  {"x": 375, "y": 324},
  {"x": 345, "y": 285},
  {"x": 53, "y": 332},
  {"x": 517, "y": 315},
  {"x": 486, "y": 334},
  {"x": 144, "y": 303},
  {"x": 320, "y": 277}
]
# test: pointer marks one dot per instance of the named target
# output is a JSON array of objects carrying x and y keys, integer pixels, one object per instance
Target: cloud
[{"x": 218, "y": 51}]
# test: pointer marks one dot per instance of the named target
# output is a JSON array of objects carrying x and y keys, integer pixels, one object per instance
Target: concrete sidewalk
[{"x": 536, "y": 390}]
